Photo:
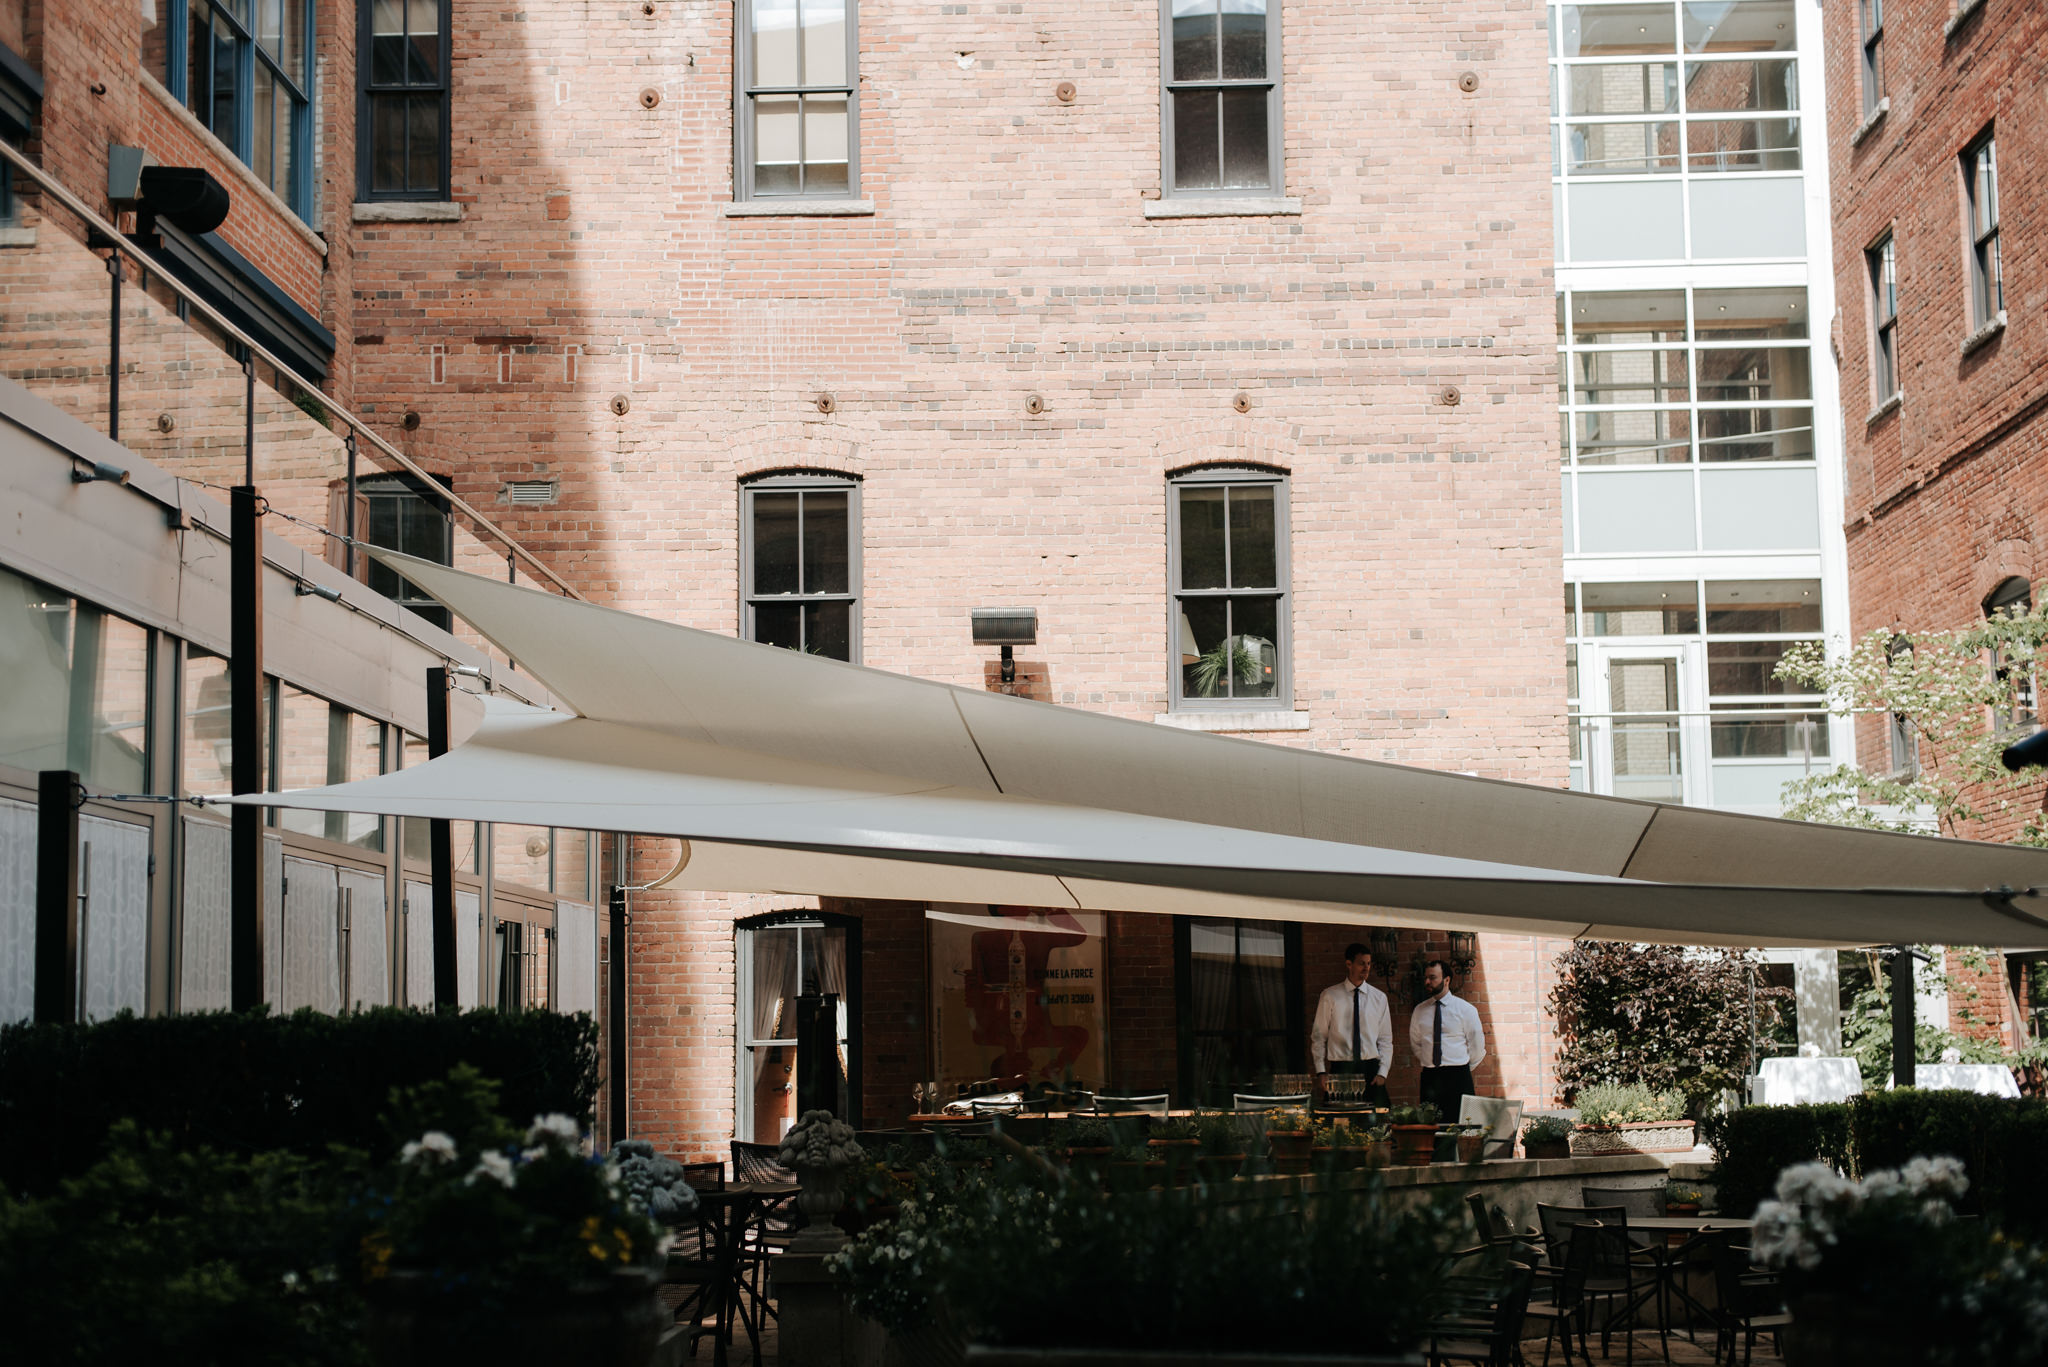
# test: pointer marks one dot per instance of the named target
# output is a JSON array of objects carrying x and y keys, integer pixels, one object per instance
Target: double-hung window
[
  {"x": 800, "y": 564},
  {"x": 404, "y": 515},
  {"x": 1881, "y": 259},
  {"x": 1221, "y": 96},
  {"x": 1980, "y": 192},
  {"x": 1873, "y": 54},
  {"x": 245, "y": 69},
  {"x": 1229, "y": 575},
  {"x": 402, "y": 62},
  {"x": 798, "y": 124}
]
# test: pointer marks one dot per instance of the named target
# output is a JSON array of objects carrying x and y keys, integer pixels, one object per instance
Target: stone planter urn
[
  {"x": 1637, "y": 1136},
  {"x": 821, "y": 1150}
]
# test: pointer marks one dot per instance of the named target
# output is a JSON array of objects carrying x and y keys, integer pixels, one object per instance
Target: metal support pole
[
  {"x": 441, "y": 848},
  {"x": 615, "y": 1066},
  {"x": 1903, "y": 1049},
  {"x": 57, "y": 797},
  {"x": 348, "y": 512},
  {"x": 248, "y": 720},
  {"x": 114, "y": 349}
]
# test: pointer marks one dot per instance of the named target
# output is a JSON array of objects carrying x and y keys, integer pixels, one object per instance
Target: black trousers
[{"x": 1444, "y": 1088}]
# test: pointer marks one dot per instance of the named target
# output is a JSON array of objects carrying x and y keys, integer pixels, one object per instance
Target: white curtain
[
  {"x": 774, "y": 977},
  {"x": 17, "y": 911},
  {"x": 369, "y": 972},
  {"x": 312, "y": 911},
  {"x": 203, "y": 918},
  {"x": 469, "y": 934},
  {"x": 113, "y": 930},
  {"x": 830, "y": 953},
  {"x": 575, "y": 957},
  {"x": 419, "y": 944}
]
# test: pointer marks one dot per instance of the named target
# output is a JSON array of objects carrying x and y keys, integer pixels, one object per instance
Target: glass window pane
[
  {"x": 825, "y": 543},
  {"x": 775, "y": 984},
  {"x": 1742, "y": 606},
  {"x": 1755, "y": 375},
  {"x": 205, "y": 743},
  {"x": 198, "y": 49},
  {"x": 423, "y": 142},
  {"x": 1732, "y": 315},
  {"x": 1623, "y": 88},
  {"x": 775, "y": 43},
  {"x": 824, "y": 42},
  {"x": 270, "y": 24},
  {"x": 1653, "y": 609},
  {"x": 387, "y": 42},
  {"x": 110, "y": 675},
  {"x": 387, "y": 142},
  {"x": 828, "y": 630},
  {"x": 292, "y": 50},
  {"x": 572, "y": 864},
  {"x": 1197, "y": 161},
  {"x": 264, "y": 124},
  {"x": 825, "y": 144},
  {"x": 778, "y": 134},
  {"x": 1756, "y": 434},
  {"x": 35, "y": 674},
  {"x": 1630, "y": 377},
  {"x": 355, "y": 750},
  {"x": 1201, "y": 537},
  {"x": 1239, "y": 654},
  {"x": 1743, "y": 145},
  {"x": 423, "y": 27},
  {"x": 520, "y": 854},
  {"x": 284, "y": 143},
  {"x": 1628, "y": 316},
  {"x": 1660, "y": 436},
  {"x": 1617, "y": 30},
  {"x": 1621, "y": 149},
  {"x": 1718, "y": 86},
  {"x": 225, "y": 71},
  {"x": 302, "y": 739},
  {"x": 1571, "y": 616},
  {"x": 1742, "y": 737},
  {"x": 775, "y": 541},
  {"x": 779, "y": 624},
  {"x": 1642, "y": 685},
  {"x": 1204, "y": 622},
  {"x": 1745, "y": 668},
  {"x": 1194, "y": 40},
  {"x": 1254, "y": 542},
  {"x": 1247, "y": 155},
  {"x": 1745, "y": 26},
  {"x": 1244, "y": 40}
]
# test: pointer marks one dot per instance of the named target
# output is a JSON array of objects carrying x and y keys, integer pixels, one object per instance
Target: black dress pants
[{"x": 1444, "y": 1088}]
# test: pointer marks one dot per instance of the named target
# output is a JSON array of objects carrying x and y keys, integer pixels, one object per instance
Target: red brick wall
[{"x": 1144, "y": 1050}]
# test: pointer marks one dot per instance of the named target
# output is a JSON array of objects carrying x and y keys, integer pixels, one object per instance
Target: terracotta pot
[
  {"x": 1414, "y": 1145},
  {"x": 613, "y": 1322},
  {"x": 1681, "y": 1207},
  {"x": 1090, "y": 1163},
  {"x": 1471, "y": 1147},
  {"x": 1637, "y": 1136},
  {"x": 1380, "y": 1154},
  {"x": 1179, "y": 1157},
  {"x": 1546, "y": 1148},
  {"x": 1290, "y": 1150},
  {"x": 1218, "y": 1167}
]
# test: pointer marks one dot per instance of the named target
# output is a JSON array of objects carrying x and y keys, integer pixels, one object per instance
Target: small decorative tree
[{"x": 1659, "y": 1016}]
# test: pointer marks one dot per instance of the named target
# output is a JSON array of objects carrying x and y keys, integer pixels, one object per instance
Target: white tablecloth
[
  {"x": 1789, "y": 1081},
  {"x": 1990, "y": 1079}
]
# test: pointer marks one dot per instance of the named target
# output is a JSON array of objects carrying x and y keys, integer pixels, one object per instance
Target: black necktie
[
  {"x": 1357, "y": 1039},
  {"x": 1437, "y": 1040}
]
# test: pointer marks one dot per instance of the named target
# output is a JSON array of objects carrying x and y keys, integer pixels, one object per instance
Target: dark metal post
[
  {"x": 248, "y": 719},
  {"x": 57, "y": 794},
  {"x": 1903, "y": 1048},
  {"x": 114, "y": 349},
  {"x": 615, "y": 1065},
  {"x": 348, "y": 512},
  {"x": 441, "y": 848}
]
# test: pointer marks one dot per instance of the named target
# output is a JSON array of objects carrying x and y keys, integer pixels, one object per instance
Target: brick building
[
  {"x": 1936, "y": 130},
  {"x": 1223, "y": 336}
]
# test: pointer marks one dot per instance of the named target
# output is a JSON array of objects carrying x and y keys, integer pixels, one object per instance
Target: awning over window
[{"x": 797, "y": 774}]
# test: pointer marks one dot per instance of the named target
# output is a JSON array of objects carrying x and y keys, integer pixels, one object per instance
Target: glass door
[
  {"x": 524, "y": 942},
  {"x": 1645, "y": 729},
  {"x": 778, "y": 963}
]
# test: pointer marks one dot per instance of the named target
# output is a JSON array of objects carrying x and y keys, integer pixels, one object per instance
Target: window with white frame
[
  {"x": 798, "y": 120},
  {"x": 1229, "y": 567},
  {"x": 1220, "y": 105},
  {"x": 1882, "y": 264},
  {"x": 800, "y": 563},
  {"x": 1980, "y": 196}
]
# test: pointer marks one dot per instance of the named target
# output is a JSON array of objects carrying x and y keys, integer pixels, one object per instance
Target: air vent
[{"x": 530, "y": 492}]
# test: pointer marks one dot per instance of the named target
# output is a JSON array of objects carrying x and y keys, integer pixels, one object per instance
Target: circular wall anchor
[
  {"x": 410, "y": 422},
  {"x": 1468, "y": 81},
  {"x": 648, "y": 9},
  {"x": 621, "y": 405},
  {"x": 1064, "y": 92},
  {"x": 1034, "y": 404},
  {"x": 826, "y": 403},
  {"x": 1449, "y": 396},
  {"x": 166, "y": 424},
  {"x": 1242, "y": 403},
  {"x": 649, "y": 98}
]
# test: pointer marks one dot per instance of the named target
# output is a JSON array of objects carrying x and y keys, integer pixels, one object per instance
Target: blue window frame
[{"x": 245, "y": 70}]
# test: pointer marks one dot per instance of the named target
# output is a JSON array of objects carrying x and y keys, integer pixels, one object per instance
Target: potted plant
[
  {"x": 1289, "y": 1135},
  {"x": 488, "y": 1244},
  {"x": 1681, "y": 1200},
  {"x": 1471, "y": 1142},
  {"x": 1630, "y": 1119},
  {"x": 1088, "y": 1143},
  {"x": 1379, "y": 1146},
  {"x": 1221, "y": 1146},
  {"x": 1547, "y": 1136},
  {"x": 1340, "y": 1147},
  {"x": 1414, "y": 1131},
  {"x": 1133, "y": 1167},
  {"x": 1174, "y": 1141}
]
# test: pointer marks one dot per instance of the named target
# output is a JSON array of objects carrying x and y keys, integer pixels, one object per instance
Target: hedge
[
  {"x": 249, "y": 1082},
  {"x": 2001, "y": 1143}
]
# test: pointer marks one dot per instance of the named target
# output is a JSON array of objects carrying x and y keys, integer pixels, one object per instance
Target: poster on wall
[{"x": 1016, "y": 991}]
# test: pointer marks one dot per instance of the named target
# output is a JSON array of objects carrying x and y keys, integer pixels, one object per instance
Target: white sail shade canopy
[{"x": 795, "y": 774}]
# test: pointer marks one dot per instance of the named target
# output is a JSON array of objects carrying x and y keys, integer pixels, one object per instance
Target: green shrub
[
  {"x": 1609, "y": 1104},
  {"x": 1754, "y": 1144},
  {"x": 1546, "y": 1129},
  {"x": 249, "y": 1082}
]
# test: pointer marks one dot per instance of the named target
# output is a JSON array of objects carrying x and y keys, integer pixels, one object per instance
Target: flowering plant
[
  {"x": 1609, "y": 1104},
  {"x": 1894, "y": 1240}
]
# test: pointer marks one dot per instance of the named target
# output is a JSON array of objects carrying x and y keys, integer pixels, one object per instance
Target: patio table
[
  {"x": 1678, "y": 1256},
  {"x": 730, "y": 1215}
]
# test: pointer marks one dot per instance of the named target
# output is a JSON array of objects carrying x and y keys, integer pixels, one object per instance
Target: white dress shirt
[
  {"x": 1331, "y": 1037},
  {"x": 1464, "y": 1039}
]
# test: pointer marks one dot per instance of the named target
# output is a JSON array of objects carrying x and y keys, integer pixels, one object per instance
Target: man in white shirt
[
  {"x": 1448, "y": 1040},
  {"x": 1354, "y": 1030}
]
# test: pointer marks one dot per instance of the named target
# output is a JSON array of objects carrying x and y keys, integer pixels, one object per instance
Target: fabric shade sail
[{"x": 792, "y": 773}]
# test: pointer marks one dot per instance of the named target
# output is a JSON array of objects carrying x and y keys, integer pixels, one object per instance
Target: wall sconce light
[
  {"x": 1464, "y": 951},
  {"x": 1005, "y": 627},
  {"x": 101, "y": 470},
  {"x": 1386, "y": 950},
  {"x": 306, "y": 588}
]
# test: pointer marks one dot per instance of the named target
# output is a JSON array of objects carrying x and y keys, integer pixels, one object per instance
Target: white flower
[
  {"x": 433, "y": 1146},
  {"x": 495, "y": 1166},
  {"x": 557, "y": 1129}
]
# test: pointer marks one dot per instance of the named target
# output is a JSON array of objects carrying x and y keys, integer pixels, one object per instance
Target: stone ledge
[
  {"x": 13, "y": 236},
  {"x": 798, "y": 208},
  {"x": 1884, "y": 107},
  {"x": 1234, "y": 721},
  {"x": 1263, "y": 206},
  {"x": 1984, "y": 334},
  {"x": 1885, "y": 409},
  {"x": 1962, "y": 16},
  {"x": 406, "y": 211}
]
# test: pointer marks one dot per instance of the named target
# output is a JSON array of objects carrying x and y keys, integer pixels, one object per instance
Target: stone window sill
[
  {"x": 406, "y": 211},
  {"x": 1962, "y": 16},
  {"x": 798, "y": 208},
  {"x": 14, "y": 236},
  {"x": 1885, "y": 409},
  {"x": 1984, "y": 334},
  {"x": 1263, "y": 206},
  {"x": 1864, "y": 129},
  {"x": 1234, "y": 721}
]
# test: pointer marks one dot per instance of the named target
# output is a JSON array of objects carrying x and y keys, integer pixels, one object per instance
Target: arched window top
[
  {"x": 1224, "y": 471},
  {"x": 797, "y": 476},
  {"x": 2013, "y": 597}
]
